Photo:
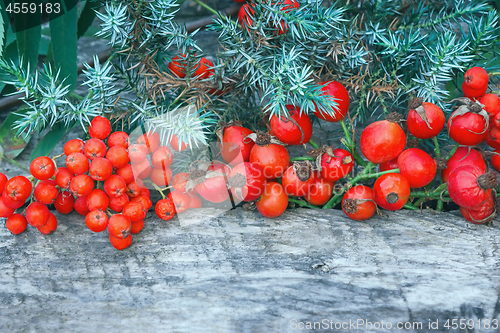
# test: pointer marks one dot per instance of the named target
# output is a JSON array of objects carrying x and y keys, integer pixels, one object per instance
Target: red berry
[
  {"x": 142, "y": 170},
  {"x": 96, "y": 220},
  {"x": 204, "y": 69},
  {"x": 391, "y": 191},
  {"x": 491, "y": 104},
  {"x": 165, "y": 209},
  {"x": 482, "y": 214},
  {"x": 120, "y": 244},
  {"x": 320, "y": 191},
  {"x": 116, "y": 204},
  {"x": 181, "y": 201},
  {"x": 118, "y": 156},
  {"x": 194, "y": 201},
  {"x": 358, "y": 203},
  {"x": 134, "y": 189},
  {"x": 99, "y": 128},
  {"x": 336, "y": 164},
  {"x": 126, "y": 173},
  {"x": 151, "y": 140},
  {"x": 468, "y": 129},
  {"x": 73, "y": 146},
  {"x": 161, "y": 176},
  {"x": 3, "y": 181},
  {"x": 115, "y": 186},
  {"x": 80, "y": 206},
  {"x": 37, "y": 214},
  {"x": 77, "y": 163},
  {"x": 493, "y": 136},
  {"x": 417, "y": 167},
  {"x": 119, "y": 226},
  {"x": 64, "y": 202},
  {"x": 473, "y": 94},
  {"x": 246, "y": 181},
  {"x": 236, "y": 146},
  {"x": 18, "y": 188},
  {"x": 273, "y": 201},
  {"x": 178, "y": 66},
  {"x": 145, "y": 192},
  {"x": 463, "y": 156},
  {"x": 137, "y": 153},
  {"x": 292, "y": 183},
  {"x": 214, "y": 186},
  {"x": 337, "y": 91},
  {"x": 94, "y": 148},
  {"x": 295, "y": 130},
  {"x": 81, "y": 185},
  {"x": 97, "y": 200},
  {"x": 45, "y": 193},
  {"x": 162, "y": 157},
  {"x": 465, "y": 187},
  {"x": 144, "y": 201},
  {"x": 63, "y": 177},
  {"x": 476, "y": 78},
  {"x": 8, "y": 202},
  {"x": 120, "y": 139},
  {"x": 42, "y": 168},
  {"x": 389, "y": 165},
  {"x": 5, "y": 211},
  {"x": 272, "y": 158},
  {"x": 100, "y": 169},
  {"x": 382, "y": 141},
  {"x": 137, "y": 227},
  {"x": 16, "y": 223},
  {"x": 134, "y": 211},
  {"x": 179, "y": 181},
  {"x": 174, "y": 142},
  {"x": 50, "y": 226},
  {"x": 422, "y": 129}
]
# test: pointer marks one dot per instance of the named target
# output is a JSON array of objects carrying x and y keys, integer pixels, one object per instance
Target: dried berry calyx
[
  {"x": 237, "y": 181},
  {"x": 392, "y": 198},
  {"x": 303, "y": 170},
  {"x": 350, "y": 206},
  {"x": 415, "y": 103},
  {"x": 441, "y": 163},
  {"x": 488, "y": 180},
  {"x": 394, "y": 117}
]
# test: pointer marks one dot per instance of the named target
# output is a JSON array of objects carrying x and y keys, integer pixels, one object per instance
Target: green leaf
[
  {"x": 28, "y": 40},
  {"x": 11, "y": 145},
  {"x": 87, "y": 16},
  {"x": 44, "y": 46},
  {"x": 64, "y": 45},
  {"x": 50, "y": 140}
]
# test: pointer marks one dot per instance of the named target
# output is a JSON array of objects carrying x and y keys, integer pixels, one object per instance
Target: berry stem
[
  {"x": 210, "y": 9},
  {"x": 314, "y": 144},
  {"x": 350, "y": 145},
  {"x": 302, "y": 203},
  {"x": 436, "y": 144},
  {"x": 15, "y": 163},
  {"x": 158, "y": 189},
  {"x": 303, "y": 158},
  {"x": 410, "y": 207},
  {"x": 450, "y": 154}
]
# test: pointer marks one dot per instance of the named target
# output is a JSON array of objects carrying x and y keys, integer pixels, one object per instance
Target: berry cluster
[{"x": 102, "y": 175}]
